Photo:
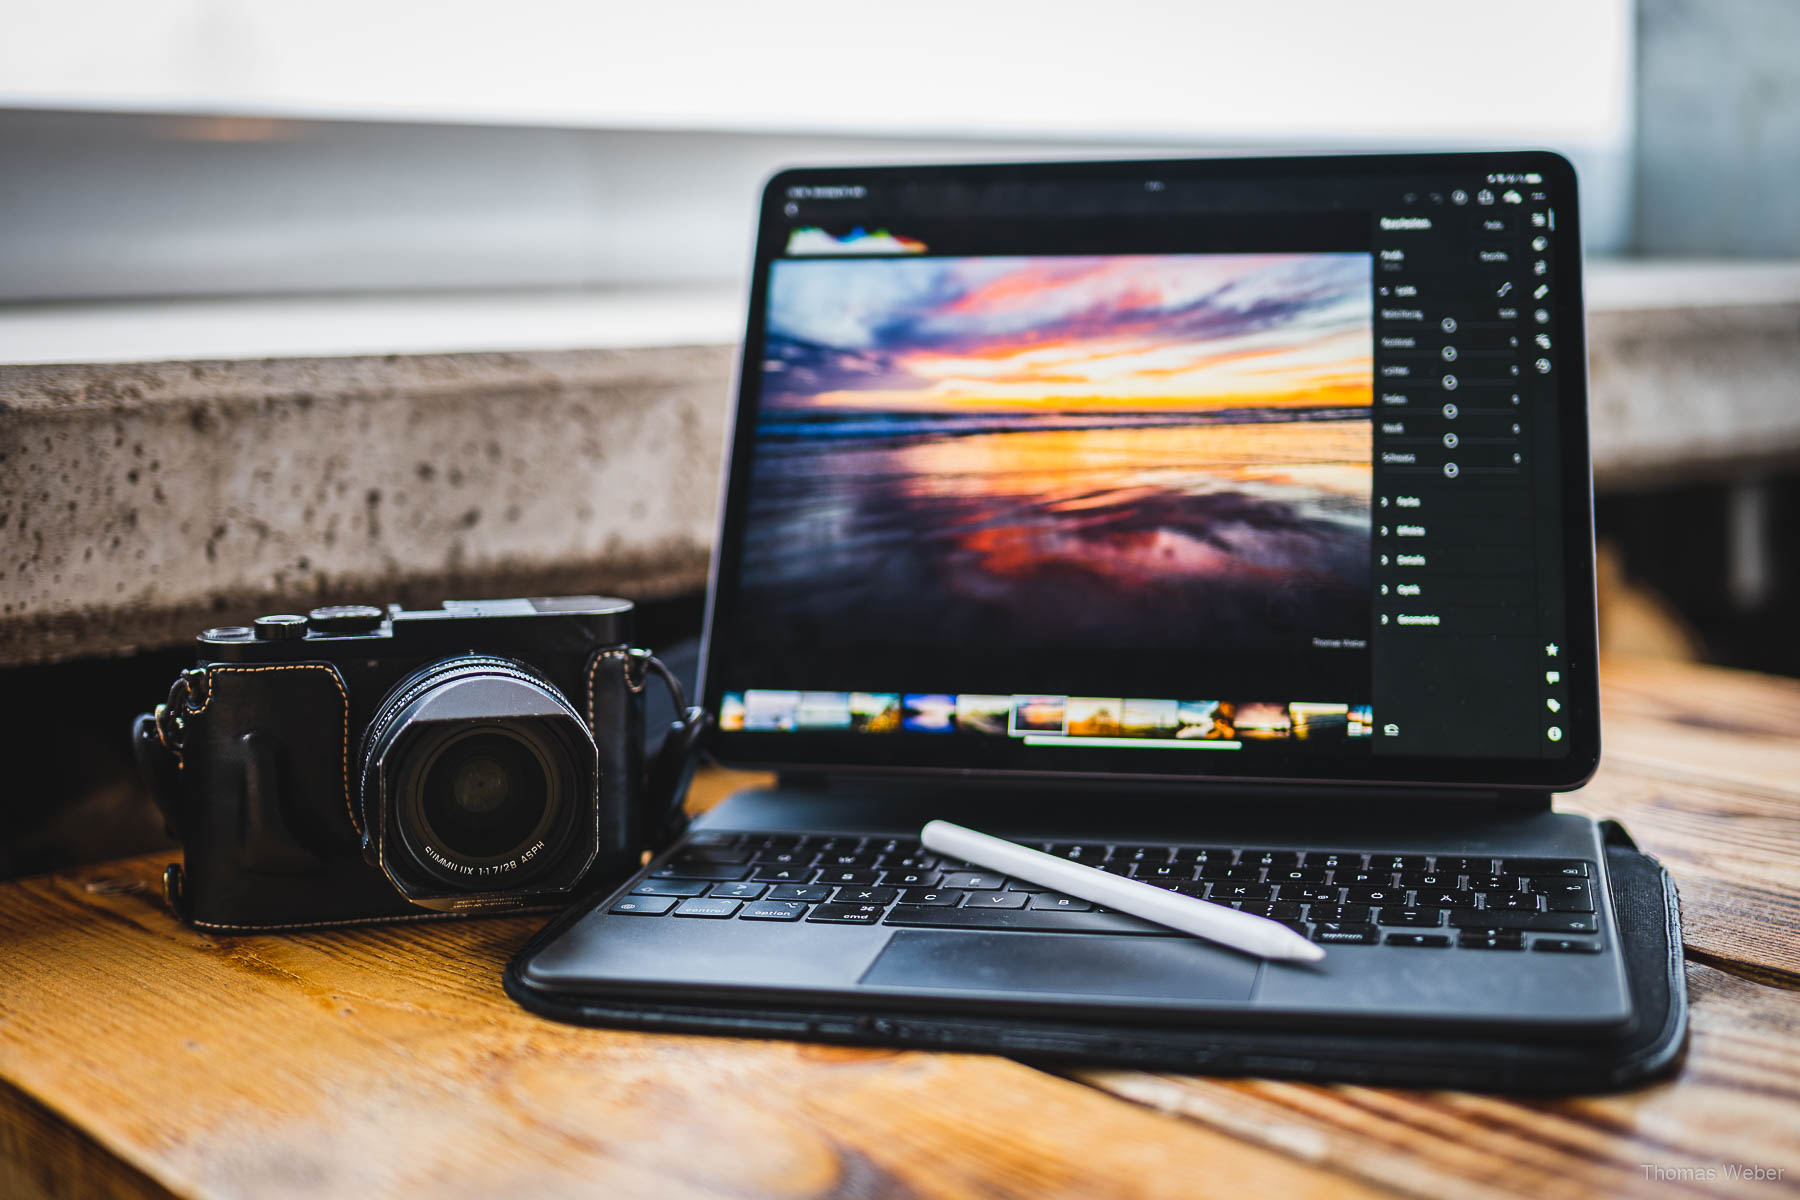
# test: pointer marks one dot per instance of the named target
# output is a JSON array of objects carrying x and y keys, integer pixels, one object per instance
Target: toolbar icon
[
  {"x": 1484, "y": 197},
  {"x": 1553, "y": 704},
  {"x": 1541, "y": 316},
  {"x": 1552, "y": 676},
  {"x": 1540, "y": 243},
  {"x": 1512, "y": 197},
  {"x": 1542, "y": 365},
  {"x": 1554, "y": 733},
  {"x": 1459, "y": 197},
  {"x": 1504, "y": 288},
  {"x": 1537, "y": 220},
  {"x": 1542, "y": 290},
  {"x": 1543, "y": 341}
]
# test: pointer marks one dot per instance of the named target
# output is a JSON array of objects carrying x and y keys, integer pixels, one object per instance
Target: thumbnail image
[
  {"x": 1166, "y": 453},
  {"x": 1320, "y": 722},
  {"x": 1263, "y": 721},
  {"x": 771, "y": 710},
  {"x": 1213, "y": 720},
  {"x": 1091, "y": 717},
  {"x": 1362, "y": 721},
  {"x": 983, "y": 714},
  {"x": 1152, "y": 718},
  {"x": 1039, "y": 714},
  {"x": 929, "y": 712},
  {"x": 811, "y": 239},
  {"x": 874, "y": 712},
  {"x": 824, "y": 712},
  {"x": 731, "y": 713}
]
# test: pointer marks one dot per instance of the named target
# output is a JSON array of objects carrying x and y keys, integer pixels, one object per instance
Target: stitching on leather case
[
  {"x": 336, "y": 681},
  {"x": 594, "y": 679}
]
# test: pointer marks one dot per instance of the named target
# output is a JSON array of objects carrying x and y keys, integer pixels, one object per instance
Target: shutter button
[
  {"x": 280, "y": 627},
  {"x": 346, "y": 618}
]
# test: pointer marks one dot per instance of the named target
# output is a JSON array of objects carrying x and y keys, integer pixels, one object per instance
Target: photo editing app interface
[{"x": 1070, "y": 467}]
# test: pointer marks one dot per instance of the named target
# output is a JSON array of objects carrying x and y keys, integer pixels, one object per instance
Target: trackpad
[{"x": 1078, "y": 965}]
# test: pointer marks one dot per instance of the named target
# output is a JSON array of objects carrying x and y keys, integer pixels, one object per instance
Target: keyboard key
[
  {"x": 1334, "y": 860},
  {"x": 1576, "y": 904},
  {"x": 1155, "y": 872},
  {"x": 1304, "y": 894},
  {"x": 772, "y": 910},
  {"x": 808, "y": 893},
  {"x": 1545, "y": 866},
  {"x": 738, "y": 891},
  {"x": 996, "y": 900},
  {"x": 1297, "y": 875},
  {"x": 1226, "y": 890},
  {"x": 1353, "y": 878},
  {"x": 938, "y": 897},
  {"x": 645, "y": 906},
  {"x": 1338, "y": 933},
  {"x": 1082, "y": 851},
  {"x": 1565, "y": 945},
  {"x": 848, "y": 875},
  {"x": 1057, "y": 902},
  {"x": 719, "y": 871},
  {"x": 1471, "y": 940},
  {"x": 1493, "y": 883},
  {"x": 913, "y": 878},
  {"x": 1434, "y": 940},
  {"x": 711, "y": 837},
  {"x": 835, "y": 845},
  {"x": 1427, "y": 879},
  {"x": 913, "y": 862},
  {"x": 974, "y": 880},
  {"x": 1029, "y": 919},
  {"x": 1375, "y": 895},
  {"x": 847, "y": 914},
  {"x": 670, "y": 887},
  {"x": 1485, "y": 918},
  {"x": 1398, "y": 862},
  {"x": 883, "y": 896},
  {"x": 1453, "y": 865},
  {"x": 1355, "y": 914},
  {"x": 783, "y": 858},
  {"x": 1019, "y": 885},
  {"x": 691, "y": 853},
  {"x": 1275, "y": 910},
  {"x": 1270, "y": 858},
  {"x": 1442, "y": 898},
  {"x": 1140, "y": 853},
  {"x": 1512, "y": 902},
  {"x": 771, "y": 873},
  {"x": 1558, "y": 885},
  {"x": 1407, "y": 918},
  {"x": 707, "y": 906},
  {"x": 1555, "y": 922},
  {"x": 846, "y": 862}
]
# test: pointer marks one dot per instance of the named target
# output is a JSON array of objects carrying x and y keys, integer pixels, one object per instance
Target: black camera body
[{"x": 365, "y": 764}]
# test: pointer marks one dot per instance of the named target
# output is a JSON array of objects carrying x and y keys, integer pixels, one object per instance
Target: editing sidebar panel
[{"x": 1464, "y": 435}]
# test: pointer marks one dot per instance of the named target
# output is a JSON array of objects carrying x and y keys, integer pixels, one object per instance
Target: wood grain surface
[{"x": 138, "y": 1058}]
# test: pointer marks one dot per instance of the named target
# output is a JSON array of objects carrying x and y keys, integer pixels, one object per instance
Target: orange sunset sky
[{"x": 1131, "y": 333}]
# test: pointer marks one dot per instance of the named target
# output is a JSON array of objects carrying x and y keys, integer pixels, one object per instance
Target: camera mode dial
[
  {"x": 345, "y": 618},
  {"x": 280, "y": 627}
]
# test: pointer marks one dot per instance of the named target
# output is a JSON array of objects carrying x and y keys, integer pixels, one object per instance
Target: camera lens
[
  {"x": 485, "y": 796},
  {"x": 479, "y": 776}
]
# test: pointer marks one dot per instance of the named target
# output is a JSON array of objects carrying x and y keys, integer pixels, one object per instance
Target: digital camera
[{"x": 367, "y": 764}]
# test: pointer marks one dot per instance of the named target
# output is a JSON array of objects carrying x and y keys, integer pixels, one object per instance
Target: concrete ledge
[{"x": 144, "y": 502}]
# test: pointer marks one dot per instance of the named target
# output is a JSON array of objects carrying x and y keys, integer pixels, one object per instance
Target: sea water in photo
[{"x": 1131, "y": 451}]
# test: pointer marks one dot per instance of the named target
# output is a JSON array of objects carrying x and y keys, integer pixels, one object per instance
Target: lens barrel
[{"x": 480, "y": 786}]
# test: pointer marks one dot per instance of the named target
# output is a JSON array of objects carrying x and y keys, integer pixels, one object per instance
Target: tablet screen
[{"x": 1255, "y": 468}]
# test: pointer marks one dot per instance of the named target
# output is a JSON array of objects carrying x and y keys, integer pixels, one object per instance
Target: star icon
[{"x": 1550, "y": 649}]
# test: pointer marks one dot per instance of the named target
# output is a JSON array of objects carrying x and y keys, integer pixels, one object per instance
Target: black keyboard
[{"x": 1334, "y": 897}]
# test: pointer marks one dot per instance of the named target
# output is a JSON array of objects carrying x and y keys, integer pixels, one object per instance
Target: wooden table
[{"x": 140, "y": 1058}]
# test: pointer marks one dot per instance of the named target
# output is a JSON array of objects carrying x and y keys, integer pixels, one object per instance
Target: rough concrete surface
[{"x": 140, "y": 503}]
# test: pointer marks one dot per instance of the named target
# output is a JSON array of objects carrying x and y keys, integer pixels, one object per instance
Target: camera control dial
[
  {"x": 345, "y": 618},
  {"x": 279, "y": 627}
]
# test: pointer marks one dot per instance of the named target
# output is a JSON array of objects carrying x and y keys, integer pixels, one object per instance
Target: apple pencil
[{"x": 1202, "y": 918}]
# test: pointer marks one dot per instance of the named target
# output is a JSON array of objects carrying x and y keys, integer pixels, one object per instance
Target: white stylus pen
[{"x": 1202, "y": 918}]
